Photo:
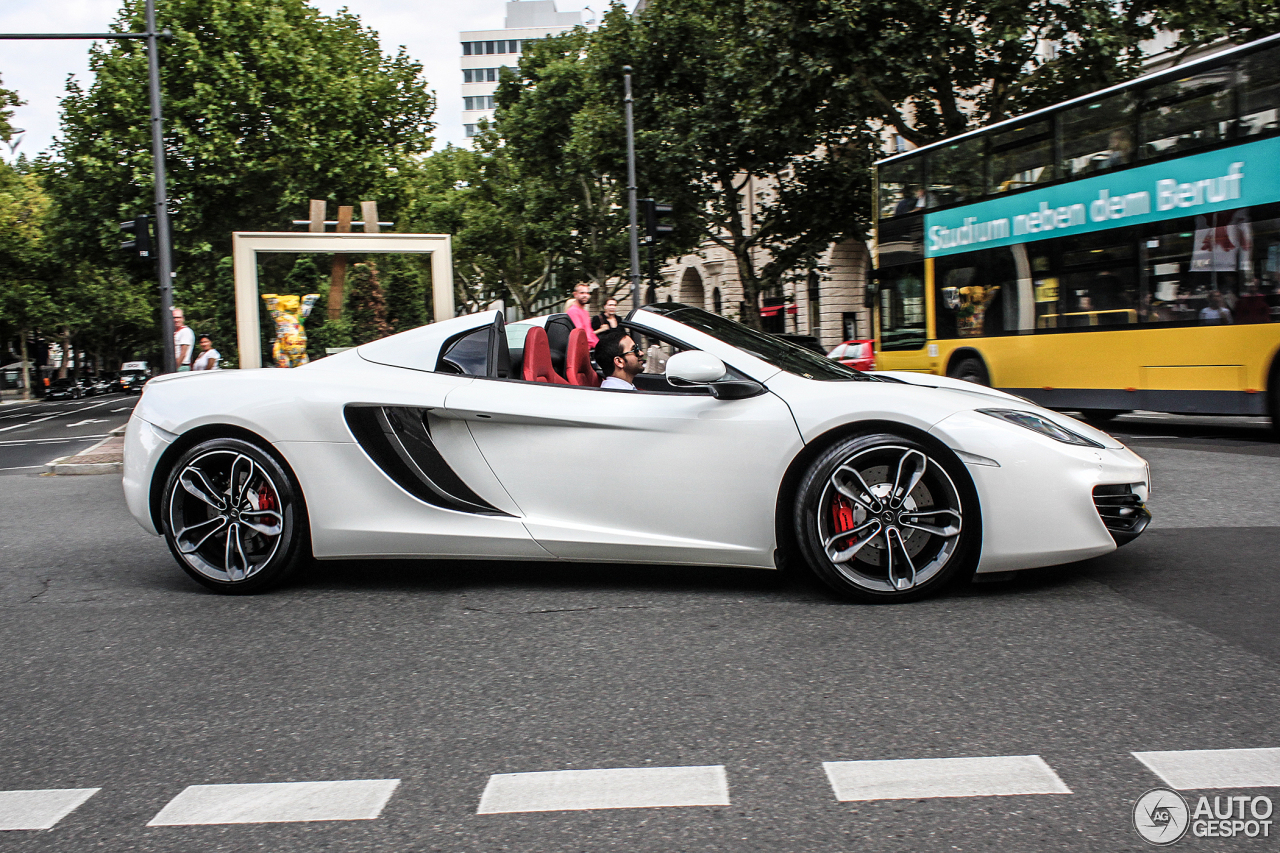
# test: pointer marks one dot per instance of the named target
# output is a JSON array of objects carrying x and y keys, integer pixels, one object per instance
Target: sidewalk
[{"x": 105, "y": 457}]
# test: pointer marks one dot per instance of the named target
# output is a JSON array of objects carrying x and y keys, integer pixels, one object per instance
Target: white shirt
[
  {"x": 184, "y": 337},
  {"x": 207, "y": 360},
  {"x": 615, "y": 382}
]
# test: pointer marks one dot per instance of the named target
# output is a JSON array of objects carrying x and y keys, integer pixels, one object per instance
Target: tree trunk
[
  {"x": 26, "y": 368},
  {"x": 66, "y": 353}
]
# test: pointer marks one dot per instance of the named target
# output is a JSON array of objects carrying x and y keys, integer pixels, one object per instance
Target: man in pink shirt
[{"x": 579, "y": 315}]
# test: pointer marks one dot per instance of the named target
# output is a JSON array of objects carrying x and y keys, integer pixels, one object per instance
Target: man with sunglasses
[{"x": 620, "y": 358}]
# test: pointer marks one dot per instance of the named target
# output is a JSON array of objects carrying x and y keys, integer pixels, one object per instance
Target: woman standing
[
  {"x": 208, "y": 358},
  {"x": 607, "y": 319}
]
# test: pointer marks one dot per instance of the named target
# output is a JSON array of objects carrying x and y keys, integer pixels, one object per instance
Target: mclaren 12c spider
[{"x": 473, "y": 438}]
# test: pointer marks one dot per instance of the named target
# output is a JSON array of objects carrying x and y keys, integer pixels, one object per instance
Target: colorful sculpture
[{"x": 290, "y": 348}]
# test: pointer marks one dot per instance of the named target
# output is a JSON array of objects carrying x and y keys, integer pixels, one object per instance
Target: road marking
[
  {"x": 122, "y": 409},
  {"x": 17, "y": 442},
  {"x": 618, "y": 788},
  {"x": 21, "y": 467},
  {"x": 277, "y": 802},
  {"x": 40, "y": 809},
  {"x": 55, "y": 415},
  {"x": 1189, "y": 769},
  {"x": 917, "y": 778},
  {"x": 88, "y": 421}
]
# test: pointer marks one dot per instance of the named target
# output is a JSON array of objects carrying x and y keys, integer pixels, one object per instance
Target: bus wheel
[
  {"x": 1102, "y": 416},
  {"x": 970, "y": 369}
]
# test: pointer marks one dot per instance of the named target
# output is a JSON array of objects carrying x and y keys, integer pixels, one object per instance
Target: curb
[{"x": 91, "y": 462}]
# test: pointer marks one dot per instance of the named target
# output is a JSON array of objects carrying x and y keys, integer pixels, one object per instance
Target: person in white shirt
[
  {"x": 208, "y": 358},
  {"x": 621, "y": 358},
  {"x": 184, "y": 340}
]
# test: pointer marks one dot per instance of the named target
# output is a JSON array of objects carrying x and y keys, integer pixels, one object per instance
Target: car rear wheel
[
  {"x": 233, "y": 517},
  {"x": 882, "y": 518}
]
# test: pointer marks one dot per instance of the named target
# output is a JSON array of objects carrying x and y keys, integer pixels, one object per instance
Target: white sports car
[{"x": 471, "y": 438}]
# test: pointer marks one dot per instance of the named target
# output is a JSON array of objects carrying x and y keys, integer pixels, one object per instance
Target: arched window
[{"x": 715, "y": 299}]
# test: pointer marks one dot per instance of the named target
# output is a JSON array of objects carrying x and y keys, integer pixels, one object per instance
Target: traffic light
[
  {"x": 139, "y": 231},
  {"x": 654, "y": 213}
]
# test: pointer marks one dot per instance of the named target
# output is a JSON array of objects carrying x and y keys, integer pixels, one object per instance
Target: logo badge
[{"x": 1161, "y": 816}]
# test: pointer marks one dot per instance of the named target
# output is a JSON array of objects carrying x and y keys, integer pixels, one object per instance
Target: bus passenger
[{"x": 1215, "y": 313}]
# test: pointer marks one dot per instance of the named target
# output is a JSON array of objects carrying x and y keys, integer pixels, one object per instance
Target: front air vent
[
  {"x": 398, "y": 440},
  {"x": 1121, "y": 511}
]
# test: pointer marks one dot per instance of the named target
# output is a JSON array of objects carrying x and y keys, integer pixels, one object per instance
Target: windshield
[{"x": 780, "y": 353}]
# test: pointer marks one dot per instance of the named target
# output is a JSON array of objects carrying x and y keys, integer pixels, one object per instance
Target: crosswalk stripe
[
  {"x": 1188, "y": 769},
  {"x": 40, "y": 809},
  {"x": 616, "y": 788},
  {"x": 277, "y": 802},
  {"x": 920, "y": 778}
]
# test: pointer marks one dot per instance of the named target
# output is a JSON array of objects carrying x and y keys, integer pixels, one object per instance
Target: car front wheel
[
  {"x": 233, "y": 517},
  {"x": 882, "y": 518}
]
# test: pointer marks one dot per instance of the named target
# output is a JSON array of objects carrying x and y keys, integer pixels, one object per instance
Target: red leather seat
[
  {"x": 537, "y": 358},
  {"x": 577, "y": 361}
]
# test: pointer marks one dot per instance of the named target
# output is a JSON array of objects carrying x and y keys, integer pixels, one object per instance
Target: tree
[
  {"x": 268, "y": 103},
  {"x": 773, "y": 176},
  {"x": 25, "y": 268},
  {"x": 478, "y": 196},
  {"x": 8, "y": 98}
]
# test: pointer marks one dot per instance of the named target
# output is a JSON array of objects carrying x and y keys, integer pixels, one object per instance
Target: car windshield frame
[{"x": 780, "y": 353}]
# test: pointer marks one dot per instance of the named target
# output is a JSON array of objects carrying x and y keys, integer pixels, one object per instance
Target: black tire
[
  {"x": 266, "y": 515},
  {"x": 970, "y": 369},
  {"x": 898, "y": 482}
]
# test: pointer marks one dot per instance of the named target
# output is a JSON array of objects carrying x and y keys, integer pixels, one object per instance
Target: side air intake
[
  {"x": 398, "y": 440},
  {"x": 1121, "y": 511}
]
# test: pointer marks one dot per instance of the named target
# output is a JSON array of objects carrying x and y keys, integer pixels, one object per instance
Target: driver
[{"x": 620, "y": 357}]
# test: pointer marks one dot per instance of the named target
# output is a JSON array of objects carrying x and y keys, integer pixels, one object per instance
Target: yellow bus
[{"x": 1119, "y": 251}]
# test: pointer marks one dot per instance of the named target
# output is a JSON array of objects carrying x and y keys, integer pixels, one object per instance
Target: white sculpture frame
[{"x": 245, "y": 246}]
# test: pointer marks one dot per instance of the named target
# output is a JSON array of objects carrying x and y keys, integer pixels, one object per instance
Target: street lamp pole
[
  {"x": 631, "y": 188},
  {"x": 164, "y": 241}
]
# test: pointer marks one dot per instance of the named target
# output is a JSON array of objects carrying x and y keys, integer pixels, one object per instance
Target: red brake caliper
[
  {"x": 266, "y": 498},
  {"x": 842, "y": 515}
]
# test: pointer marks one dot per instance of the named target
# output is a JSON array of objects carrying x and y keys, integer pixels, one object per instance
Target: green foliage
[
  {"x": 366, "y": 303},
  {"x": 478, "y": 196},
  {"x": 268, "y": 103},
  {"x": 8, "y": 98},
  {"x": 1201, "y": 22}
]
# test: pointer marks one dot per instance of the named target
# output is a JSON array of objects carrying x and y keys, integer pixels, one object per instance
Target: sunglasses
[{"x": 635, "y": 350}]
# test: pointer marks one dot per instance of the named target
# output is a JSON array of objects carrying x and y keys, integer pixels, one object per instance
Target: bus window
[
  {"x": 902, "y": 307},
  {"x": 901, "y": 188},
  {"x": 1260, "y": 94},
  {"x": 1097, "y": 136},
  {"x": 1186, "y": 114},
  {"x": 955, "y": 171},
  {"x": 1021, "y": 157},
  {"x": 981, "y": 294},
  {"x": 1099, "y": 281}
]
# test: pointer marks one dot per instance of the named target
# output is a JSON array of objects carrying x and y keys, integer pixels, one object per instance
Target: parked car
[
  {"x": 107, "y": 382},
  {"x": 860, "y": 355},
  {"x": 66, "y": 389}
]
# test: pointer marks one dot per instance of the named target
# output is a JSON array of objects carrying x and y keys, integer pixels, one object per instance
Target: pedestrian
[
  {"x": 608, "y": 318},
  {"x": 578, "y": 312},
  {"x": 184, "y": 341},
  {"x": 209, "y": 357}
]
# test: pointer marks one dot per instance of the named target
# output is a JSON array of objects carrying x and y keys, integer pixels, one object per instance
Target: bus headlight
[{"x": 1044, "y": 426}]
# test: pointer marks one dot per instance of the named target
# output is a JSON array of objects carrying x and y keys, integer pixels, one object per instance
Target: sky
[{"x": 427, "y": 28}]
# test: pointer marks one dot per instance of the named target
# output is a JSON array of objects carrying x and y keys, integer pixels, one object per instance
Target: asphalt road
[
  {"x": 121, "y": 674},
  {"x": 32, "y": 434}
]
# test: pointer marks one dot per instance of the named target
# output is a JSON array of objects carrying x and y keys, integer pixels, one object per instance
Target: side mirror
[
  {"x": 695, "y": 368},
  {"x": 700, "y": 368}
]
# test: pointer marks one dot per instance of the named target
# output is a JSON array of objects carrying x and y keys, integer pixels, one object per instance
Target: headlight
[{"x": 1044, "y": 426}]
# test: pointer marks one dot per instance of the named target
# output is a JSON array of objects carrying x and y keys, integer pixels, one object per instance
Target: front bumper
[
  {"x": 144, "y": 444},
  {"x": 1038, "y": 506}
]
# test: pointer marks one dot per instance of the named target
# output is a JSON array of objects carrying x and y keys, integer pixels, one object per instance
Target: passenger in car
[{"x": 621, "y": 358}]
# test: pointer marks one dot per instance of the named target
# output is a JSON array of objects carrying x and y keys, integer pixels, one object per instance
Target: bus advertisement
[{"x": 1120, "y": 251}]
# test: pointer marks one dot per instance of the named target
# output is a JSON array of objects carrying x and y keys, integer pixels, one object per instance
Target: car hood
[{"x": 921, "y": 400}]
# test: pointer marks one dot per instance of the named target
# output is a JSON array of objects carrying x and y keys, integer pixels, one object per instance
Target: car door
[{"x": 635, "y": 476}]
